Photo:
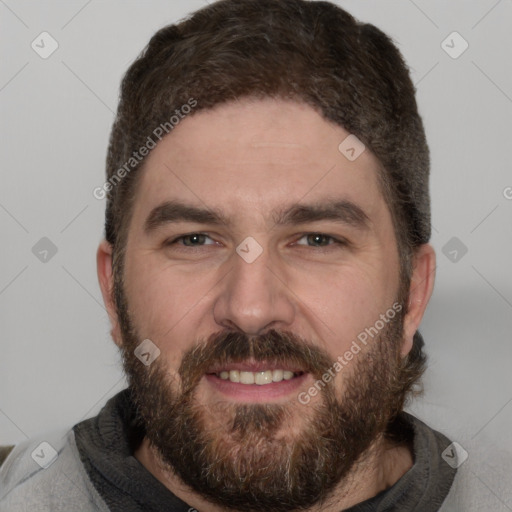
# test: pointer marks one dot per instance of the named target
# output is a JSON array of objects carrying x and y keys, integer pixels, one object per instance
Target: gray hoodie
[{"x": 92, "y": 468}]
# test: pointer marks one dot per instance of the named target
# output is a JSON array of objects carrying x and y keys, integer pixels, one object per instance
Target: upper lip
[{"x": 254, "y": 366}]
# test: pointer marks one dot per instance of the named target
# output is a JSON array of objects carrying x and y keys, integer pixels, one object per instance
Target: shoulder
[
  {"x": 46, "y": 474},
  {"x": 483, "y": 481},
  {"x": 483, "y": 460}
]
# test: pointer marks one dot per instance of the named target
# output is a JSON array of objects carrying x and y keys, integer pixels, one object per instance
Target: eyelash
[{"x": 336, "y": 241}]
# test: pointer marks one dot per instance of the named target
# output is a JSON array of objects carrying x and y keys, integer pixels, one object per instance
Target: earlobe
[
  {"x": 106, "y": 282},
  {"x": 420, "y": 291}
]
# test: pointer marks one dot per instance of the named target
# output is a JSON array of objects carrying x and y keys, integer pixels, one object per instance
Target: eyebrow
[{"x": 342, "y": 211}]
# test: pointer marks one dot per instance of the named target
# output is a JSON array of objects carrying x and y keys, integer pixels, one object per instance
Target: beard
[{"x": 257, "y": 456}]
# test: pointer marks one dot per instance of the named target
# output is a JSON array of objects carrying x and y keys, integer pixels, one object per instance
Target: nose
[{"x": 253, "y": 297}]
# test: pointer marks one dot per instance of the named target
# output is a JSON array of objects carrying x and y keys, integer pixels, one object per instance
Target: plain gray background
[{"x": 57, "y": 361}]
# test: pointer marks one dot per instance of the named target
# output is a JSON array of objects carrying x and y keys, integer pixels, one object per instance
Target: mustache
[{"x": 236, "y": 347}]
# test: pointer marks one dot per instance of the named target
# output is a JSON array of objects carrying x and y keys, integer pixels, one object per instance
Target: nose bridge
[{"x": 252, "y": 297}]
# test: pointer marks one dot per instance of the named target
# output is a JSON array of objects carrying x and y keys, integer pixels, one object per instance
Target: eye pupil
[
  {"x": 193, "y": 239},
  {"x": 318, "y": 239}
]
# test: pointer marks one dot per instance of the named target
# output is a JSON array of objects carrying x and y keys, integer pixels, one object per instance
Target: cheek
[
  {"x": 156, "y": 290},
  {"x": 345, "y": 302},
  {"x": 166, "y": 301}
]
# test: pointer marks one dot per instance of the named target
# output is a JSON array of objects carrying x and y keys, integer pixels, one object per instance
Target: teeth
[
  {"x": 277, "y": 375},
  {"x": 259, "y": 378},
  {"x": 246, "y": 378}
]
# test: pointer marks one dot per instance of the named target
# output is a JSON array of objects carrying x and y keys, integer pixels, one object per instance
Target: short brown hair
[{"x": 309, "y": 51}]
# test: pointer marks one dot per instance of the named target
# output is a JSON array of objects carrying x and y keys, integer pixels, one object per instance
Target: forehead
[{"x": 251, "y": 157}]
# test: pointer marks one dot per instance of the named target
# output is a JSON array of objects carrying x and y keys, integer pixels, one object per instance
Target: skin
[{"x": 249, "y": 159}]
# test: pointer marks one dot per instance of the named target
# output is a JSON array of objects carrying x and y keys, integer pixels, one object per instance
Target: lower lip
[{"x": 254, "y": 392}]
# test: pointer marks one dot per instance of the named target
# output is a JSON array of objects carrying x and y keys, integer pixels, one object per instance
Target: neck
[{"x": 381, "y": 466}]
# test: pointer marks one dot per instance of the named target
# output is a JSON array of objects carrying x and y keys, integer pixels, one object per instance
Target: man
[{"x": 265, "y": 267}]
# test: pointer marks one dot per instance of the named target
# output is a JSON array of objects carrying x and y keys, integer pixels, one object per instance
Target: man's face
[{"x": 275, "y": 251}]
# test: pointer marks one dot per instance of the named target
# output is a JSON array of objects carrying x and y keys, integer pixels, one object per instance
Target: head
[{"x": 243, "y": 237}]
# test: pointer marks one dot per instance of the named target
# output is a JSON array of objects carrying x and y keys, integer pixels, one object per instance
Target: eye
[
  {"x": 319, "y": 240},
  {"x": 191, "y": 240},
  {"x": 309, "y": 239}
]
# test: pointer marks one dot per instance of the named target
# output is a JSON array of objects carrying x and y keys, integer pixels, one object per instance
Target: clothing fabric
[{"x": 94, "y": 470}]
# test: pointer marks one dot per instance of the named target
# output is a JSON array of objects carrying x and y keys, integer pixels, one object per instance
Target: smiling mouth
[
  {"x": 256, "y": 373},
  {"x": 259, "y": 378},
  {"x": 257, "y": 381}
]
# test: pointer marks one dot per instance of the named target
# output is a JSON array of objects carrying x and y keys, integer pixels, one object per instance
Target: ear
[
  {"x": 106, "y": 281},
  {"x": 420, "y": 291}
]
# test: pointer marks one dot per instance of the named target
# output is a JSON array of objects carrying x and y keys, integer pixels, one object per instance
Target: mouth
[
  {"x": 259, "y": 378},
  {"x": 256, "y": 381}
]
